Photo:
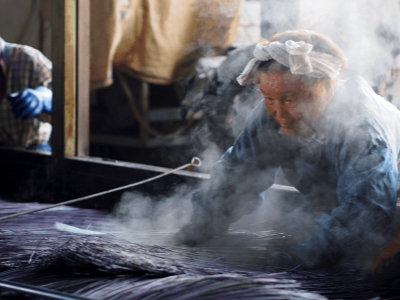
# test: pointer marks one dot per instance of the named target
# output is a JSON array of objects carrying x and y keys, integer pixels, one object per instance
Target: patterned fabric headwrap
[{"x": 299, "y": 57}]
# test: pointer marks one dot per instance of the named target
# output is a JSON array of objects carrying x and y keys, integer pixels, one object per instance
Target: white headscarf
[{"x": 297, "y": 56}]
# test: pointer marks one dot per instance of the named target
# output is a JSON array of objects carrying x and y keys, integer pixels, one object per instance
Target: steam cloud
[
  {"x": 366, "y": 30},
  {"x": 140, "y": 212}
]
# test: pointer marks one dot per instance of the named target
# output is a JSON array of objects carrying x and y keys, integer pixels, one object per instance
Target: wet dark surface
[{"x": 85, "y": 252}]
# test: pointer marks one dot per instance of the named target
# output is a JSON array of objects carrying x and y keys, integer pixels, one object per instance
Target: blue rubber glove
[{"x": 31, "y": 102}]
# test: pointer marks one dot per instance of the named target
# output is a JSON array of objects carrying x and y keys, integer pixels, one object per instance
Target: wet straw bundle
[
  {"x": 84, "y": 255},
  {"x": 22, "y": 239}
]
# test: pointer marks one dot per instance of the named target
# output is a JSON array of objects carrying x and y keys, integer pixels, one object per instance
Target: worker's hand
[
  {"x": 206, "y": 222},
  {"x": 193, "y": 234},
  {"x": 31, "y": 102},
  {"x": 283, "y": 259},
  {"x": 295, "y": 256},
  {"x": 389, "y": 254}
]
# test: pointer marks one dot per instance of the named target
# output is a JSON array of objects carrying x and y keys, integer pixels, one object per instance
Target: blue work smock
[{"x": 352, "y": 156}]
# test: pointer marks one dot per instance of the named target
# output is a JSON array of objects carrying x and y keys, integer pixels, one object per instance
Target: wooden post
[
  {"x": 83, "y": 78},
  {"x": 63, "y": 56},
  {"x": 64, "y": 76}
]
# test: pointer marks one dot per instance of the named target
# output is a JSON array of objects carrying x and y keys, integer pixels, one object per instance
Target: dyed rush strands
[
  {"x": 89, "y": 264},
  {"x": 21, "y": 239}
]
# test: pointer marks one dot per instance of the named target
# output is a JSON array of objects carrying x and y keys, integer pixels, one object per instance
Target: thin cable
[
  {"x": 195, "y": 162},
  {"x": 38, "y": 291}
]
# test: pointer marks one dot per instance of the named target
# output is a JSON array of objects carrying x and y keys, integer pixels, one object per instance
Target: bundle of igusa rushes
[
  {"x": 84, "y": 261},
  {"x": 123, "y": 270}
]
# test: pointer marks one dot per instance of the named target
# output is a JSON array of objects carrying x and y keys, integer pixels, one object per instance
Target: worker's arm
[
  {"x": 236, "y": 181},
  {"x": 366, "y": 194}
]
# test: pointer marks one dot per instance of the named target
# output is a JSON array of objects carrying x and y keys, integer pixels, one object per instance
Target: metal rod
[
  {"x": 39, "y": 291},
  {"x": 195, "y": 162}
]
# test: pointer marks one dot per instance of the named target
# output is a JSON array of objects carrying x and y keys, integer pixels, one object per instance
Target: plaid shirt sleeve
[{"x": 27, "y": 68}]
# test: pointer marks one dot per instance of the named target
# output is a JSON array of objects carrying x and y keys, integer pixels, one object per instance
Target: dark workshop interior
[{"x": 144, "y": 102}]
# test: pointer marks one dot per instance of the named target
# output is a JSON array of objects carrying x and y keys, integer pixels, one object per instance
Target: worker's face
[{"x": 287, "y": 100}]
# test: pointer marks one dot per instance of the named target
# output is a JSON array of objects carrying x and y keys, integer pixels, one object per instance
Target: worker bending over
[
  {"x": 335, "y": 140},
  {"x": 26, "y": 97}
]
